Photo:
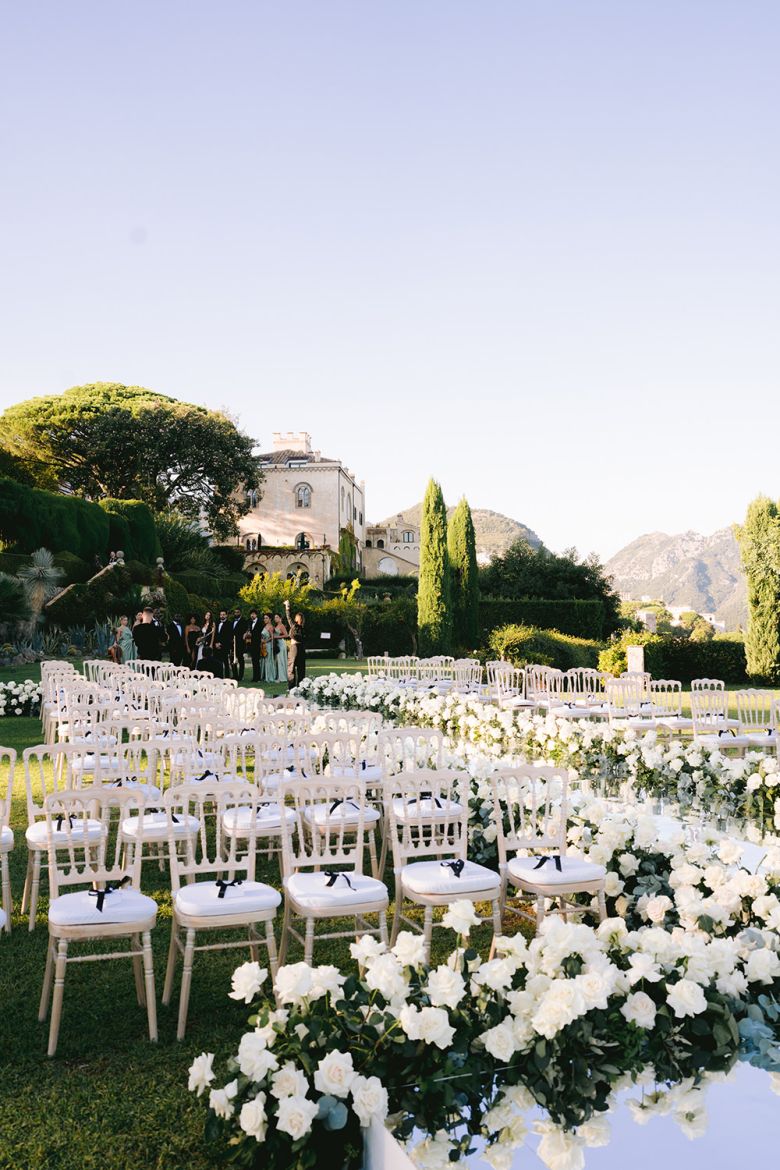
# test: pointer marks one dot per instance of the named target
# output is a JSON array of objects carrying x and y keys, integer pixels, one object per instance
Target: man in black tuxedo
[
  {"x": 223, "y": 640},
  {"x": 255, "y": 631},
  {"x": 238, "y": 628},
  {"x": 148, "y": 637},
  {"x": 175, "y": 632}
]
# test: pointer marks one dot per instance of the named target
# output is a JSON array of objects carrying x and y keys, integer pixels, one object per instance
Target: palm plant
[
  {"x": 40, "y": 580},
  {"x": 184, "y": 546}
]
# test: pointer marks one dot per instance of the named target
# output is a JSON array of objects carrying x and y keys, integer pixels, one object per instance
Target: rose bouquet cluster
[
  {"x": 468, "y": 1047},
  {"x": 20, "y": 698}
]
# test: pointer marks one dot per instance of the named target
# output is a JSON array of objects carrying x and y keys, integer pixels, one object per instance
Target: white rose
[
  {"x": 369, "y": 1099},
  {"x": 429, "y": 1024},
  {"x": 409, "y": 949},
  {"x": 253, "y": 1119},
  {"x": 628, "y": 863},
  {"x": 560, "y": 1149},
  {"x": 221, "y": 1100},
  {"x": 686, "y": 998},
  {"x": 254, "y": 1058},
  {"x": 446, "y": 987},
  {"x": 295, "y": 1116},
  {"x": 460, "y": 917},
  {"x": 763, "y": 966},
  {"x": 657, "y": 908},
  {"x": 639, "y": 1009},
  {"x": 201, "y": 1073},
  {"x": 560, "y": 1004},
  {"x": 730, "y": 852},
  {"x": 500, "y": 1041},
  {"x": 386, "y": 975},
  {"x": 289, "y": 1081},
  {"x": 294, "y": 982},
  {"x": 595, "y": 1132},
  {"x": 247, "y": 981},
  {"x": 326, "y": 980},
  {"x": 335, "y": 1074},
  {"x": 367, "y": 947},
  {"x": 613, "y": 885}
]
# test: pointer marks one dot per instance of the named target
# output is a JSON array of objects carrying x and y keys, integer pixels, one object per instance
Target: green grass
[{"x": 110, "y": 1100}]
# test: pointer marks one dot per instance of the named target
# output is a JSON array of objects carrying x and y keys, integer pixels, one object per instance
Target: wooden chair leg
[
  {"x": 135, "y": 945},
  {"x": 186, "y": 983},
  {"x": 496, "y": 919},
  {"x": 35, "y": 885},
  {"x": 602, "y": 905},
  {"x": 399, "y": 897},
  {"x": 539, "y": 910},
  {"x": 171, "y": 965},
  {"x": 151, "y": 1000},
  {"x": 59, "y": 991},
  {"x": 308, "y": 950},
  {"x": 284, "y": 941},
  {"x": 48, "y": 975},
  {"x": 270, "y": 942},
  {"x": 383, "y": 926},
  {"x": 428, "y": 932},
  {"x": 6, "y": 897},
  {"x": 27, "y": 883}
]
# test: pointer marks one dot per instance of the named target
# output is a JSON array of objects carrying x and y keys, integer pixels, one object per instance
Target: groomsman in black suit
[
  {"x": 223, "y": 641},
  {"x": 237, "y": 647},
  {"x": 255, "y": 632},
  {"x": 175, "y": 632}
]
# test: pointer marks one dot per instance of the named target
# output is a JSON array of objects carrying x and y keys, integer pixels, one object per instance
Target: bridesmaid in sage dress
[
  {"x": 267, "y": 663},
  {"x": 280, "y": 633},
  {"x": 125, "y": 640}
]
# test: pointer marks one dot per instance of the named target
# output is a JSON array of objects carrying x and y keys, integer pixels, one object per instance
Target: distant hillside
[
  {"x": 702, "y": 572},
  {"x": 494, "y": 532}
]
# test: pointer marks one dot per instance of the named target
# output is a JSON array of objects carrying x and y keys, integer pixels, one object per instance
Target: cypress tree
[
  {"x": 464, "y": 576},
  {"x": 759, "y": 545},
  {"x": 434, "y": 617}
]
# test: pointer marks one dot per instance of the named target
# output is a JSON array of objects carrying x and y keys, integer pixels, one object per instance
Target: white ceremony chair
[
  {"x": 112, "y": 907},
  {"x": 666, "y": 699},
  {"x": 627, "y": 704},
  {"x": 712, "y": 726},
  {"x": 530, "y": 813},
  {"x": 323, "y": 863},
  {"x": 509, "y": 688},
  {"x": 213, "y": 881},
  {"x": 428, "y": 817},
  {"x": 756, "y": 715},
  {"x": 7, "y": 760}
]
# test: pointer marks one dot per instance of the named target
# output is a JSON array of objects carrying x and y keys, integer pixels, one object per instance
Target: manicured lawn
[{"x": 110, "y": 1100}]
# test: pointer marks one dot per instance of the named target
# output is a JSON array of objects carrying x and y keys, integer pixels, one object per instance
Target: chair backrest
[
  {"x": 625, "y": 696},
  {"x": 707, "y": 684},
  {"x": 666, "y": 696},
  {"x": 81, "y": 856},
  {"x": 50, "y": 769},
  {"x": 509, "y": 683},
  {"x": 641, "y": 676},
  {"x": 584, "y": 682},
  {"x": 7, "y": 759},
  {"x": 351, "y": 722},
  {"x": 530, "y": 809},
  {"x": 337, "y": 840},
  {"x": 536, "y": 680},
  {"x": 755, "y": 710},
  {"x": 212, "y": 851},
  {"x": 404, "y": 749},
  {"x": 496, "y": 667},
  {"x": 376, "y": 664},
  {"x": 427, "y": 813},
  {"x": 709, "y": 710}
]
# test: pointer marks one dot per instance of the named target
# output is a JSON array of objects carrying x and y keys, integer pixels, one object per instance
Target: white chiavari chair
[{"x": 7, "y": 760}]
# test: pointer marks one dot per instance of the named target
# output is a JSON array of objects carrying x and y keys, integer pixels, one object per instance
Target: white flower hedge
[{"x": 20, "y": 698}]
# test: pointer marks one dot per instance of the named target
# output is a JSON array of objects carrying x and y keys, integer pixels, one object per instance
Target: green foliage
[
  {"x": 31, "y": 518},
  {"x": 184, "y": 547},
  {"x": 434, "y": 615},
  {"x": 177, "y": 599},
  {"x": 679, "y": 657},
  {"x": 581, "y": 619},
  {"x": 759, "y": 546},
  {"x": 524, "y": 572},
  {"x": 102, "y": 597},
  {"x": 375, "y": 586},
  {"x": 345, "y": 559},
  {"x": 126, "y": 442},
  {"x": 73, "y": 567},
  {"x": 267, "y": 593},
  {"x": 524, "y": 644},
  {"x": 40, "y": 579},
  {"x": 14, "y": 606},
  {"x": 464, "y": 576},
  {"x": 391, "y": 626},
  {"x": 229, "y": 555},
  {"x": 138, "y": 529}
]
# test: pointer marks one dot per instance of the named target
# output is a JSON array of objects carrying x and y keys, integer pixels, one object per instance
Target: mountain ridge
[{"x": 494, "y": 531}]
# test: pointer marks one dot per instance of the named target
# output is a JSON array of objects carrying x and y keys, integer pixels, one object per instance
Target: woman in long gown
[
  {"x": 192, "y": 632},
  {"x": 280, "y": 648},
  {"x": 125, "y": 640},
  {"x": 206, "y": 639},
  {"x": 267, "y": 662}
]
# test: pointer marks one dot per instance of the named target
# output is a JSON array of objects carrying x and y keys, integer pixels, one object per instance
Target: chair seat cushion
[
  {"x": 37, "y": 838},
  {"x": 6, "y": 839},
  {"x": 86, "y": 763},
  {"x": 155, "y": 826},
  {"x": 573, "y": 870},
  {"x": 673, "y": 720},
  {"x": 363, "y": 771},
  {"x": 312, "y": 890},
  {"x": 436, "y": 877},
  {"x": 201, "y": 899},
  {"x": 150, "y": 792},
  {"x": 727, "y": 740},
  {"x": 347, "y": 811},
  {"x": 268, "y": 818},
  {"x": 81, "y": 908},
  {"x": 94, "y": 739},
  {"x": 426, "y": 807}
]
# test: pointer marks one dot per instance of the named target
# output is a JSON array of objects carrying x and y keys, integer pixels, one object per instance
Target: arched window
[
  {"x": 368, "y": 544},
  {"x": 248, "y": 544},
  {"x": 380, "y": 544},
  {"x": 303, "y": 496},
  {"x": 302, "y": 542},
  {"x": 408, "y": 538},
  {"x": 251, "y": 497}
]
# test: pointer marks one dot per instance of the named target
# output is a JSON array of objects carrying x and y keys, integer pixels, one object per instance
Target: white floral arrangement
[
  {"x": 680, "y": 986},
  {"x": 20, "y": 698}
]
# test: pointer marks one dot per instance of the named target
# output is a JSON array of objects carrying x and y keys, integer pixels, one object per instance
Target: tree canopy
[
  {"x": 434, "y": 615},
  {"x": 464, "y": 581},
  {"x": 127, "y": 442},
  {"x": 525, "y": 572},
  {"x": 759, "y": 546}
]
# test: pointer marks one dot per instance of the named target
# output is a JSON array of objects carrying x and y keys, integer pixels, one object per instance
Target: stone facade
[{"x": 392, "y": 550}]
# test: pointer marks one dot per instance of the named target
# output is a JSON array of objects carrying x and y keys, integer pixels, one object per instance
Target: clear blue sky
[{"x": 531, "y": 248}]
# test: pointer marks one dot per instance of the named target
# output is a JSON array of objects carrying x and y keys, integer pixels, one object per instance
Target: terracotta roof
[{"x": 282, "y": 458}]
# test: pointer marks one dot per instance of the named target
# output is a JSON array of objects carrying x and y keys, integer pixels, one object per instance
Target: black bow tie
[
  {"x": 457, "y": 867},
  {"x": 223, "y": 885},
  {"x": 543, "y": 861},
  {"x": 101, "y": 895}
]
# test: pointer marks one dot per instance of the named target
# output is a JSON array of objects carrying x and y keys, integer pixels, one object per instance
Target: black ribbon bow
[
  {"x": 205, "y": 775},
  {"x": 223, "y": 885},
  {"x": 543, "y": 861},
  {"x": 727, "y": 731},
  {"x": 333, "y": 876},
  {"x": 341, "y": 800},
  {"x": 101, "y": 895},
  {"x": 63, "y": 817},
  {"x": 426, "y": 796},
  {"x": 457, "y": 867}
]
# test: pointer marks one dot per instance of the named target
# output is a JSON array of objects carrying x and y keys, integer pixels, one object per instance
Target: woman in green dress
[
  {"x": 280, "y": 648},
  {"x": 125, "y": 640},
  {"x": 267, "y": 659}
]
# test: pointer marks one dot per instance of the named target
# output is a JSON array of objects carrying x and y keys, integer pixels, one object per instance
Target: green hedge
[
  {"x": 580, "y": 619},
  {"x": 524, "y": 644},
  {"x": 81, "y": 605},
  {"x": 392, "y": 627},
  {"x": 132, "y": 523},
  {"x": 31, "y": 518},
  {"x": 374, "y": 586},
  {"x": 231, "y": 556},
  {"x": 680, "y": 658}
]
